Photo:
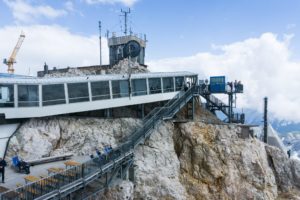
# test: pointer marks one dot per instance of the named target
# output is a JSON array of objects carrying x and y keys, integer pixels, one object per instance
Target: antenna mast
[
  {"x": 100, "y": 40},
  {"x": 125, "y": 19}
]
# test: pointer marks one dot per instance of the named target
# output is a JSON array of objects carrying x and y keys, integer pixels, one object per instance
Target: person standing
[
  {"x": 289, "y": 153},
  {"x": 2, "y": 168}
]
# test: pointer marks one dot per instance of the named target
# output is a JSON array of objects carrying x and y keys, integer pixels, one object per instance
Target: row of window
[{"x": 28, "y": 95}]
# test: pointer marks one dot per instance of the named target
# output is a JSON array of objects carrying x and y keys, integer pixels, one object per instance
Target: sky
[{"x": 254, "y": 41}]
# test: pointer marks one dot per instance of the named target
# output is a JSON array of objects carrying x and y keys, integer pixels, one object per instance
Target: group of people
[
  {"x": 20, "y": 164},
  {"x": 235, "y": 86},
  {"x": 106, "y": 150}
]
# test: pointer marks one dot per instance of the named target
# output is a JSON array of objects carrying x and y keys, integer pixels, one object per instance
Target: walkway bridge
[{"x": 117, "y": 164}]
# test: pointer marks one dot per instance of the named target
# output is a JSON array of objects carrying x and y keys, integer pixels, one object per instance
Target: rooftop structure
[{"x": 126, "y": 46}]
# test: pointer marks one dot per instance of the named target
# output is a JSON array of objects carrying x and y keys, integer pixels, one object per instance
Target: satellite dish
[{"x": 132, "y": 49}]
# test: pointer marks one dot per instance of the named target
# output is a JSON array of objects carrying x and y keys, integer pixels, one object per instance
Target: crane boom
[{"x": 12, "y": 59}]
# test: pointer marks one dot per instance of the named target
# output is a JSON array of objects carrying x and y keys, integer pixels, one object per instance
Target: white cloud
[
  {"x": 264, "y": 66},
  {"x": 52, "y": 44},
  {"x": 69, "y": 5},
  {"x": 291, "y": 26},
  {"x": 24, "y": 12},
  {"x": 125, "y": 2}
]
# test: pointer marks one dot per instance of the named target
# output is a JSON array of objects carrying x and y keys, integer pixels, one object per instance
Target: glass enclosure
[
  {"x": 168, "y": 84},
  {"x": 6, "y": 95},
  {"x": 120, "y": 88},
  {"x": 179, "y": 83},
  {"x": 100, "y": 90},
  {"x": 139, "y": 87},
  {"x": 28, "y": 95},
  {"x": 53, "y": 94},
  {"x": 78, "y": 92},
  {"x": 154, "y": 85}
]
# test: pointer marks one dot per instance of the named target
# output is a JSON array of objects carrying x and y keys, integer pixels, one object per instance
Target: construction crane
[{"x": 12, "y": 59}]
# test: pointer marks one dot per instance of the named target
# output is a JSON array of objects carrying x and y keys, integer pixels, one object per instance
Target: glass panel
[
  {"x": 100, "y": 90},
  {"x": 120, "y": 89},
  {"x": 6, "y": 95},
  {"x": 154, "y": 85},
  {"x": 168, "y": 84},
  {"x": 139, "y": 87},
  {"x": 53, "y": 94},
  {"x": 179, "y": 83},
  {"x": 28, "y": 95},
  {"x": 78, "y": 92}
]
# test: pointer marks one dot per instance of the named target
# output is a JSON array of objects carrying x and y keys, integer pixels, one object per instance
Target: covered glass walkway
[{"x": 25, "y": 97}]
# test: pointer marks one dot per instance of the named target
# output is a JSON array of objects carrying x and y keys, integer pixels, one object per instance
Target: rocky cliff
[{"x": 192, "y": 160}]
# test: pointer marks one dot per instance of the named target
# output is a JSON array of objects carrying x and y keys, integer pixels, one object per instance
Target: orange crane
[{"x": 12, "y": 59}]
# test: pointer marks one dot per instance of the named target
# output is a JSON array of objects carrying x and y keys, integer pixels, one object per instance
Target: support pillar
[
  {"x": 141, "y": 110},
  {"x": 108, "y": 113},
  {"x": 266, "y": 120},
  {"x": 191, "y": 109},
  {"x": 131, "y": 173},
  {"x": 230, "y": 104}
]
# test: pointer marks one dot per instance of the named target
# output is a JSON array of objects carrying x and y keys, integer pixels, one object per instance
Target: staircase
[{"x": 115, "y": 164}]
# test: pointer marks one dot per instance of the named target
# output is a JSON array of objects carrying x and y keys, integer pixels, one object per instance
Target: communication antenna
[
  {"x": 125, "y": 15},
  {"x": 100, "y": 40}
]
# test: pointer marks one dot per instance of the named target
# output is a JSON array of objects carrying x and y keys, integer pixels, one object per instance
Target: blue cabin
[{"x": 217, "y": 84}]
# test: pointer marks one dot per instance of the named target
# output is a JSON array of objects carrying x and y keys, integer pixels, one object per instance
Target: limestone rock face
[
  {"x": 55, "y": 136},
  {"x": 192, "y": 160},
  {"x": 123, "y": 190},
  {"x": 216, "y": 164},
  {"x": 295, "y": 166},
  {"x": 126, "y": 66},
  {"x": 157, "y": 169},
  {"x": 286, "y": 171}
]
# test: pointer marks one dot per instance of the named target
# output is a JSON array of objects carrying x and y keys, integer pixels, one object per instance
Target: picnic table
[
  {"x": 31, "y": 178},
  {"x": 71, "y": 163},
  {"x": 55, "y": 170}
]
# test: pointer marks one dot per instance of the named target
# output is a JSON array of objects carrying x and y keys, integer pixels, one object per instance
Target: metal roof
[
  {"x": 6, "y": 75},
  {"x": 74, "y": 79}
]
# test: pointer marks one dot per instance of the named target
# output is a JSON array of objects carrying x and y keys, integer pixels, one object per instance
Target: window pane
[
  {"x": 139, "y": 87},
  {"x": 100, "y": 90},
  {"x": 78, "y": 92},
  {"x": 168, "y": 84},
  {"x": 120, "y": 89},
  {"x": 179, "y": 82},
  {"x": 53, "y": 94},
  {"x": 28, "y": 95},
  {"x": 154, "y": 85},
  {"x": 6, "y": 95}
]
